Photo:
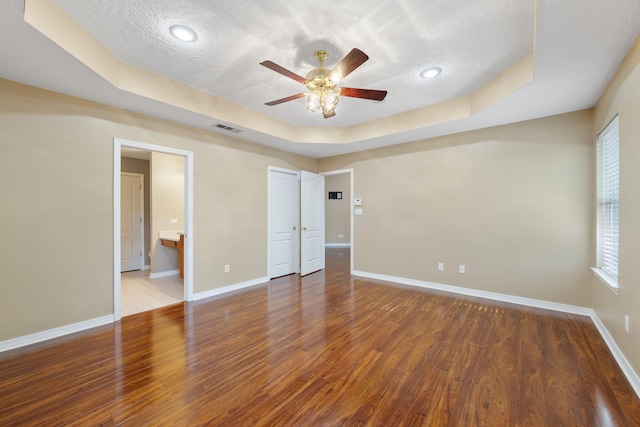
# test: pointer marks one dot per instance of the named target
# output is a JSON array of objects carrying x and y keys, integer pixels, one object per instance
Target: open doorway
[
  {"x": 339, "y": 216},
  {"x": 140, "y": 277}
]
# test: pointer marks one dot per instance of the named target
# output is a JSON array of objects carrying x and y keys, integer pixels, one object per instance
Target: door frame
[
  {"x": 296, "y": 220},
  {"x": 118, "y": 143},
  {"x": 352, "y": 250},
  {"x": 141, "y": 236}
]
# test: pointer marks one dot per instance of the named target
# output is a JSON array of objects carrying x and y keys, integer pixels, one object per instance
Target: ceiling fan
[{"x": 324, "y": 93}]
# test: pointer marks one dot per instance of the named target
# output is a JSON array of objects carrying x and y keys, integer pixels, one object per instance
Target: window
[{"x": 608, "y": 204}]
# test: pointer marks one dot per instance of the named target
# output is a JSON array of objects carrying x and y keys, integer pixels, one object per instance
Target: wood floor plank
[
  {"x": 562, "y": 375},
  {"x": 586, "y": 341},
  {"x": 530, "y": 389},
  {"x": 378, "y": 400},
  {"x": 491, "y": 400},
  {"x": 452, "y": 406},
  {"x": 325, "y": 349},
  {"x": 426, "y": 392}
]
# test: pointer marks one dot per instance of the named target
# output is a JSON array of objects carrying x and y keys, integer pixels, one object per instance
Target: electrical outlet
[
  {"x": 226, "y": 268},
  {"x": 440, "y": 266},
  {"x": 340, "y": 236},
  {"x": 626, "y": 323},
  {"x": 174, "y": 220},
  {"x": 461, "y": 269}
]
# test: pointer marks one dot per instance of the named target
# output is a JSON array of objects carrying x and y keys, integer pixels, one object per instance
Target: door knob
[{"x": 295, "y": 228}]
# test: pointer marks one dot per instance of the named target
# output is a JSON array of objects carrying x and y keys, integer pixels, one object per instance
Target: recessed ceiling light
[
  {"x": 183, "y": 33},
  {"x": 431, "y": 72}
]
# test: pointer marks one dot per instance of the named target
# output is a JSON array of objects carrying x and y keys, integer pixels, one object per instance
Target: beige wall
[
  {"x": 141, "y": 166},
  {"x": 622, "y": 97},
  {"x": 167, "y": 203},
  {"x": 337, "y": 212},
  {"x": 511, "y": 203},
  {"x": 56, "y": 165}
]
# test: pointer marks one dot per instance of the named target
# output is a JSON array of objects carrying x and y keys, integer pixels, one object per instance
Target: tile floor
[{"x": 139, "y": 293}]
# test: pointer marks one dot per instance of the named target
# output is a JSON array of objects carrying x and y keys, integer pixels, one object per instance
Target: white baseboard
[
  {"x": 54, "y": 333},
  {"x": 230, "y": 288},
  {"x": 164, "y": 274},
  {"x": 531, "y": 302},
  {"x": 81, "y": 326},
  {"x": 624, "y": 364},
  {"x": 337, "y": 245}
]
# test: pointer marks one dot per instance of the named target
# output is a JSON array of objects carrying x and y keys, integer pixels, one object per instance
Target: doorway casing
[{"x": 118, "y": 144}]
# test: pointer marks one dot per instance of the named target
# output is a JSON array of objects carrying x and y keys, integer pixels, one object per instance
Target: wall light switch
[
  {"x": 358, "y": 211},
  {"x": 357, "y": 202},
  {"x": 226, "y": 268},
  {"x": 626, "y": 323},
  {"x": 174, "y": 221}
]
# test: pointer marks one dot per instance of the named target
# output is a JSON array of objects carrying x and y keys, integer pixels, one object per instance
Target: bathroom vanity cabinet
[{"x": 176, "y": 242}]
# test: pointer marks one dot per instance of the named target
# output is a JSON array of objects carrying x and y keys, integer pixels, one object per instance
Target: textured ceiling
[
  {"x": 578, "y": 46},
  {"x": 472, "y": 43}
]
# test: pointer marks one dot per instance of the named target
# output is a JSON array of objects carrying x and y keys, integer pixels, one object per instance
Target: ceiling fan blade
[
  {"x": 353, "y": 60},
  {"x": 288, "y": 98},
  {"x": 278, "y": 69},
  {"x": 376, "y": 95}
]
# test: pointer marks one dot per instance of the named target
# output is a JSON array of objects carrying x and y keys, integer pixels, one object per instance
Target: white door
[
  {"x": 131, "y": 226},
  {"x": 283, "y": 214},
  {"x": 312, "y": 222}
]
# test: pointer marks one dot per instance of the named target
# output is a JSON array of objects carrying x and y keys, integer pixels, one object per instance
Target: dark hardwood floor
[{"x": 327, "y": 349}]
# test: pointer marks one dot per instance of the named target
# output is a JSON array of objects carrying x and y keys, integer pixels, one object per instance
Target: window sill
[{"x": 605, "y": 278}]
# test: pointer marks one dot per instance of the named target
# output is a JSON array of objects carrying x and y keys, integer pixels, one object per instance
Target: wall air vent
[{"x": 227, "y": 128}]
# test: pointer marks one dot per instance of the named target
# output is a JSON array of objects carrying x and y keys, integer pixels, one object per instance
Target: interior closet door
[
  {"x": 131, "y": 226},
  {"x": 311, "y": 222},
  {"x": 284, "y": 208}
]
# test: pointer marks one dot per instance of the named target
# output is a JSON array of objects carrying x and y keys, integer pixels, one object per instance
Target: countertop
[{"x": 173, "y": 235}]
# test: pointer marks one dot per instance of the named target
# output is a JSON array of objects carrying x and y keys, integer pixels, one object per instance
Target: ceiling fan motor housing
[{"x": 318, "y": 79}]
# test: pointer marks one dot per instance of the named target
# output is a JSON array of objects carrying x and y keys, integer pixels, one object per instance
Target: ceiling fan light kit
[{"x": 324, "y": 93}]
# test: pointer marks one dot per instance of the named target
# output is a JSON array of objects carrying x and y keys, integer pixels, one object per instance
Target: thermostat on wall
[{"x": 357, "y": 202}]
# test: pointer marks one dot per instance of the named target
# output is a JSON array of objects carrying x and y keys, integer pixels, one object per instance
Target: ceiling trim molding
[{"x": 51, "y": 20}]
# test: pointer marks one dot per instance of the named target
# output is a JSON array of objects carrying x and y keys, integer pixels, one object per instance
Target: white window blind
[{"x": 608, "y": 199}]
